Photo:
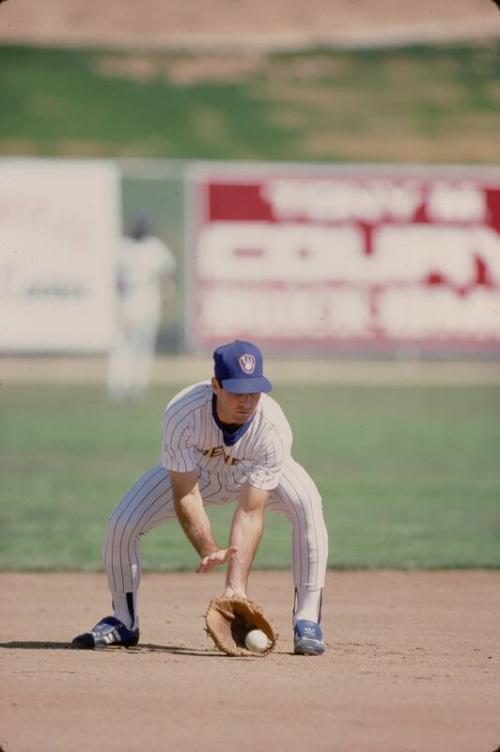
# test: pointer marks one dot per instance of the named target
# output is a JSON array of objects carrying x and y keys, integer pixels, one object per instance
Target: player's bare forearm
[
  {"x": 246, "y": 532},
  {"x": 195, "y": 523},
  {"x": 191, "y": 513}
]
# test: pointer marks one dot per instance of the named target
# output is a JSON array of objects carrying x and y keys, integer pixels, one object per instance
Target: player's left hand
[{"x": 215, "y": 559}]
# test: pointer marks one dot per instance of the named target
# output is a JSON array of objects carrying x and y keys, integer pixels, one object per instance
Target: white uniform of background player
[
  {"x": 143, "y": 262},
  {"x": 207, "y": 460}
]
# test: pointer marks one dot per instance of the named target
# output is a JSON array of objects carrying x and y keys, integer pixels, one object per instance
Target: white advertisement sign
[{"x": 59, "y": 224}]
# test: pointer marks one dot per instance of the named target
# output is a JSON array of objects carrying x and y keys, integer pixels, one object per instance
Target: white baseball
[{"x": 256, "y": 640}]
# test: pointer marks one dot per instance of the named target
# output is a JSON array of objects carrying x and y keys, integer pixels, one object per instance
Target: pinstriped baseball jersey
[{"x": 193, "y": 440}]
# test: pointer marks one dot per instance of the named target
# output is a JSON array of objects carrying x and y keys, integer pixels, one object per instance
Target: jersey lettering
[{"x": 217, "y": 452}]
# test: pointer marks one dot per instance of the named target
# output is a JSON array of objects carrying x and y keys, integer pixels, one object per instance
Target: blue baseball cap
[{"x": 238, "y": 367}]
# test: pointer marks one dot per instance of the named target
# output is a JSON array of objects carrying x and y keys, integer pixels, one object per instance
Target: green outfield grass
[
  {"x": 410, "y": 477},
  {"x": 415, "y": 104}
]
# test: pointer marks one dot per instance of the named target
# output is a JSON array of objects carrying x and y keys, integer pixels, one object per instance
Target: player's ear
[{"x": 216, "y": 385}]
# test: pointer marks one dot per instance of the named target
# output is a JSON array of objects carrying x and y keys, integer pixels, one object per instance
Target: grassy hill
[{"x": 415, "y": 104}]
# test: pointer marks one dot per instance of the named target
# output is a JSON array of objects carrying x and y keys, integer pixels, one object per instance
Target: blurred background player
[{"x": 144, "y": 270}]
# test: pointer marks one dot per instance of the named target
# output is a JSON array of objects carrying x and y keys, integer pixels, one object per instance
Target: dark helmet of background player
[{"x": 141, "y": 225}]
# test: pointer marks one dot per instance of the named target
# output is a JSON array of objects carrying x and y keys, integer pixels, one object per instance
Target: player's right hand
[{"x": 215, "y": 559}]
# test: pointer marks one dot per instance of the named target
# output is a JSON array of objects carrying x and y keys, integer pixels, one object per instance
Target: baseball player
[
  {"x": 143, "y": 260},
  {"x": 223, "y": 441}
]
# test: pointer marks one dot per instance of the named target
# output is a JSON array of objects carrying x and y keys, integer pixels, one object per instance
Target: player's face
[{"x": 234, "y": 408}]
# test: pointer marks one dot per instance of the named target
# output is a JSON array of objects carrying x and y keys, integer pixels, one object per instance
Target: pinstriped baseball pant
[{"x": 150, "y": 503}]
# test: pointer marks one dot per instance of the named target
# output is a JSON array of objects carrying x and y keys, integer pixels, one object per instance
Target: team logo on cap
[{"x": 247, "y": 363}]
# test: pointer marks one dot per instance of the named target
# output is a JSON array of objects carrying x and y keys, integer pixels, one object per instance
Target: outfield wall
[{"x": 332, "y": 260}]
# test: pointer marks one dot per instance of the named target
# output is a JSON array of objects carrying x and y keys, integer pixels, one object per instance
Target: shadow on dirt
[{"x": 145, "y": 648}]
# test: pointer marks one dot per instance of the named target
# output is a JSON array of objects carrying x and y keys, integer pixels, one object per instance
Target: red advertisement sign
[{"x": 353, "y": 259}]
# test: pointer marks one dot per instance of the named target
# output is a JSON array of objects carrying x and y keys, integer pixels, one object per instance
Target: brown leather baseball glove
[{"x": 229, "y": 620}]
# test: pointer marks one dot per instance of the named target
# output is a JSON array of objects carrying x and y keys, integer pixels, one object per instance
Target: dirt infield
[
  {"x": 179, "y": 370},
  {"x": 412, "y": 666},
  {"x": 259, "y": 23}
]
